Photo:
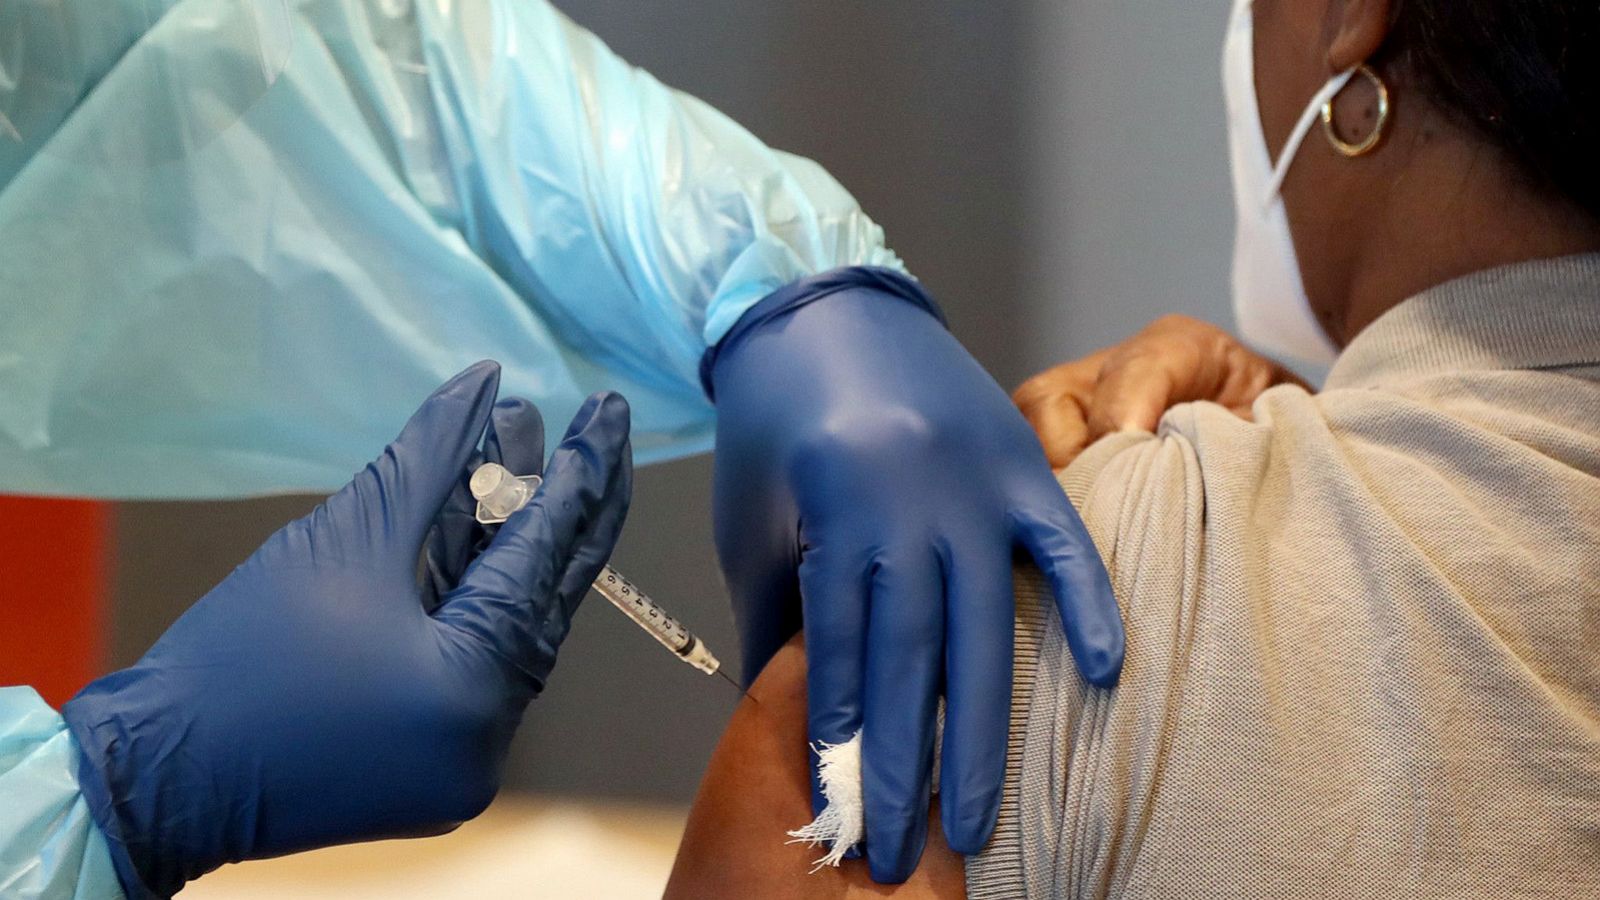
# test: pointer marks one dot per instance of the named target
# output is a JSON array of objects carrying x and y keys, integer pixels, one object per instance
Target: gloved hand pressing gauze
[{"x": 842, "y": 822}]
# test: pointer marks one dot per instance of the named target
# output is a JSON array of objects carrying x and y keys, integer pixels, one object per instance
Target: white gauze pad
[{"x": 843, "y": 821}]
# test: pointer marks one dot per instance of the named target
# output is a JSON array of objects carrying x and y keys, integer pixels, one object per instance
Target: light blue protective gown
[
  {"x": 50, "y": 849},
  {"x": 243, "y": 239},
  {"x": 240, "y": 240}
]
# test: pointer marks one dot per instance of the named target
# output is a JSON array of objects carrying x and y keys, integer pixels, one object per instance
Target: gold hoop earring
[{"x": 1347, "y": 149}]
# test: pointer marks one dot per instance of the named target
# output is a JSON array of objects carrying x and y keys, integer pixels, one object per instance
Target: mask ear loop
[
  {"x": 1323, "y": 98},
  {"x": 1349, "y": 150}
]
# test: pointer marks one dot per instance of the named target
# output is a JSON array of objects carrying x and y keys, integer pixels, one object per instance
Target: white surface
[{"x": 520, "y": 848}]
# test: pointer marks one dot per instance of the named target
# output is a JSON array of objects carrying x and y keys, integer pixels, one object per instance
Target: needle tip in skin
[{"x": 726, "y": 677}]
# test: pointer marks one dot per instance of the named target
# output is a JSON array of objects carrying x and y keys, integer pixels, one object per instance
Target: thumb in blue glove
[{"x": 310, "y": 699}]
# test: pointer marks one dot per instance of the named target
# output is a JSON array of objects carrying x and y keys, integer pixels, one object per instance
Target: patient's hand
[{"x": 1127, "y": 386}]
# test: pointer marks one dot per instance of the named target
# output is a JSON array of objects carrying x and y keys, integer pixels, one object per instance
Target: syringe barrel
[
  {"x": 652, "y": 618},
  {"x": 643, "y": 610}
]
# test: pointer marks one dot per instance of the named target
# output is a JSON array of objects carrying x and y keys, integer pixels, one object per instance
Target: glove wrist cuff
[
  {"x": 788, "y": 299},
  {"x": 95, "y": 775}
]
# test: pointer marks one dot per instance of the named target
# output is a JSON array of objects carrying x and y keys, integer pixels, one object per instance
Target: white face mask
[{"x": 1269, "y": 296}]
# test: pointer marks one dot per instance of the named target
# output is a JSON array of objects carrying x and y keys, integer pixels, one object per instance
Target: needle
[{"x": 742, "y": 692}]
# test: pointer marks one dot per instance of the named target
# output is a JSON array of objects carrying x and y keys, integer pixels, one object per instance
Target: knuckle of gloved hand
[
  {"x": 472, "y": 794},
  {"x": 464, "y": 779},
  {"x": 460, "y": 718},
  {"x": 470, "y": 745},
  {"x": 526, "y": 556},
  {"x": 866, "y": 440}
]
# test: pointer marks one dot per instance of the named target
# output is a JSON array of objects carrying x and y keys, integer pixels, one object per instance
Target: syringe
[{"x": 500, "y": 493}]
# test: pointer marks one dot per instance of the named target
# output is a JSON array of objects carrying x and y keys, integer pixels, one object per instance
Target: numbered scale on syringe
[
  {"x": 643, "y": 610},
  {"x": 652, "y": 618},
  {"x": 500, "y": 494}
]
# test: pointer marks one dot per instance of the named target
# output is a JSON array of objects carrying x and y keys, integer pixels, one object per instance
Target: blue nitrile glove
[
  {"x": 310, "y": 700},
  {"x": 870, "y": 471}
]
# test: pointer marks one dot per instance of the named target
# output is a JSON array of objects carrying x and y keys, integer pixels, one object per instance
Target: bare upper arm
[{"x": 757, "y": 788}]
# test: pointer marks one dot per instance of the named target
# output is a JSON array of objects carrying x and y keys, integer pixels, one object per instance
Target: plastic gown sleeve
[
  {"x": 50, "y": 848},
  {"x": 213, "y": 290}
]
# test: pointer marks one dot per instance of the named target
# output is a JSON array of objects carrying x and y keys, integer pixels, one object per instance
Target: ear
[{"x": 1359, "y": 29}]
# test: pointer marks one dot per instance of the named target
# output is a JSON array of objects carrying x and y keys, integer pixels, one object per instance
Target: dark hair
[{"x": 1524, "y": 73}]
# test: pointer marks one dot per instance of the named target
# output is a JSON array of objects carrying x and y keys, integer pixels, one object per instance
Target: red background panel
[{"x": 55, "y": 569}]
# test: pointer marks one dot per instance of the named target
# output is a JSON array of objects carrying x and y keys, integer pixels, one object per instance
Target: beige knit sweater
[{"x": 1363, "y": 630}]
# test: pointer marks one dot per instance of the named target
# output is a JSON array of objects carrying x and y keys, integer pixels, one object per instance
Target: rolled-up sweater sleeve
[{"x": 1360, "y": 655}]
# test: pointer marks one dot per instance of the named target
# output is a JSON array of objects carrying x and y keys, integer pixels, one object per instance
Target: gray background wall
[
  {"x": 1053, "y": 169},
  {"x": 1130, "y": 211}
]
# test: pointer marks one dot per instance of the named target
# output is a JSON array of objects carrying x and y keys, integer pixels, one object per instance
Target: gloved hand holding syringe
[{"x": 500, "y": 493}]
